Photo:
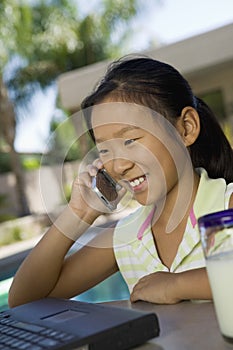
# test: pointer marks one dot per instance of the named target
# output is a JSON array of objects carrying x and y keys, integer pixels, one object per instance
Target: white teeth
[{"x": 137, "y": 182}]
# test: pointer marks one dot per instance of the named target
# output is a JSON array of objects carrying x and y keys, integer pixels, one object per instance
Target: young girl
[{"x": 162, "y": 144}]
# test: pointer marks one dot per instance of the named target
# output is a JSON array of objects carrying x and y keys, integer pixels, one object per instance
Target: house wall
[
  {"x": 215, "y": 78},
  {"x": 206, "y": 60}
]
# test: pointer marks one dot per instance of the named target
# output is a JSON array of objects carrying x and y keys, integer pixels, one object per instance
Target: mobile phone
[{"x": 106, "y": 188}]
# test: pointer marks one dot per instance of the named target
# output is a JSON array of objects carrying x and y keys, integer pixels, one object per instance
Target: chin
[
  {"x": 149, "y": 200},
  {"x": 144, "y": 201}
]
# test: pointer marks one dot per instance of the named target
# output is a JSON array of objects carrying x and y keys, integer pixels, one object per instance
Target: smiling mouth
[{"x": 137, "y": 181}]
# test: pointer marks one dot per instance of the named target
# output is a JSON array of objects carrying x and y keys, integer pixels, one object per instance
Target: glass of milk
[{"x": 216, "y": 232}]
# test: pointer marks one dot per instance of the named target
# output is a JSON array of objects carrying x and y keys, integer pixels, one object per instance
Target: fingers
[
  {"x": 85, "y": 187},
  {"x": 85, "y": 177},
  {"x": 157, "y": 287},
  {"x": 94, "y": 167},
  {"x": 134, "y": 297},
  {"x": 136, "y": 293}
]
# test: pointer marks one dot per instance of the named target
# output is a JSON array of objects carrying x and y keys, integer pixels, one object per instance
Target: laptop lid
[{"x": 88, "y": 326}]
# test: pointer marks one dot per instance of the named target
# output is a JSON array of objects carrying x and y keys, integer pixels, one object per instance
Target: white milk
[{"x": 220, "y": 273}]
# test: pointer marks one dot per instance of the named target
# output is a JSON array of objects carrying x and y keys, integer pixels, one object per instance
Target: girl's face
[{"x": 143, "y": 153}]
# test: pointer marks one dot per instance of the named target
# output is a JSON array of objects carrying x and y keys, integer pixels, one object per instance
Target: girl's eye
[
  {"x": 129, "y": 142},
  {"x": 103, "y": 151}
]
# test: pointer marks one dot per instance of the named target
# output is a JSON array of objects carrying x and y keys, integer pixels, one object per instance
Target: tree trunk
[{"x": 7, "y": 129}]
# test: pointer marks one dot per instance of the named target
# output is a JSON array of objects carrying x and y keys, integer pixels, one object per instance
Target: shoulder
[
  {"x": 213, "y": 194},
  {"x": 130, "y": 221},
  {"x": 231, "y": 201},
  {"x": 229, "y": 195},
  {"x": 138, "y": 214},
  {"x": 127, "y": 228}
]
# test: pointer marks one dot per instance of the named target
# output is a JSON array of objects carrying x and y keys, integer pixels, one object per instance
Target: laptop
[{"x": 51, "y": 323}]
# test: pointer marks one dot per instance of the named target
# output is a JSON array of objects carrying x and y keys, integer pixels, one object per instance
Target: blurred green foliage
[
  {"x": 5, "y": 164},
  {"x": 31, "y": 162},
  {"x": 39, "y": 40}
]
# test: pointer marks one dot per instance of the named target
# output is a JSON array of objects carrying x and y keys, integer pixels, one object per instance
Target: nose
[{"x": 120, "y": 166}]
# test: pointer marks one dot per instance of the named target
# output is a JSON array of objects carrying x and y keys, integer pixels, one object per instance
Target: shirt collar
[{"x": 204, "y": 203}]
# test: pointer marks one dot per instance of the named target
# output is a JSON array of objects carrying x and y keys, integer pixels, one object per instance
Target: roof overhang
[{"x": 189, "y": 56}]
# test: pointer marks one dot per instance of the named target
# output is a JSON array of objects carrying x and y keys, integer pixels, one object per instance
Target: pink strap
[
  {"x": 193, "y": 217},
  {"x": 145, "y": 224}
]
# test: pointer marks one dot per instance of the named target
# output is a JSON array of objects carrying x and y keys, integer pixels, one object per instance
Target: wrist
[
  {"x": 192, "y": 284},
  {"x": 72, "y": 223},
  {"x": 174, "y": 288},
  {"x": 87, "y": 214}
]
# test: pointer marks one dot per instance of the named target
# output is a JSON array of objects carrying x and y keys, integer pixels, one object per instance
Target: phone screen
[{"x": 106, "y": 185}]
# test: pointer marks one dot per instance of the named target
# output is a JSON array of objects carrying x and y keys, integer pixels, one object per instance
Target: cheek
[
  {"x": 155, "y": 155},
  {"x": 163, "y": 169},
  {"x": 156, "y": 189}
]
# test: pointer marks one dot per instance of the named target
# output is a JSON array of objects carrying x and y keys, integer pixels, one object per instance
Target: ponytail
[{"x": 212, "y": 150}]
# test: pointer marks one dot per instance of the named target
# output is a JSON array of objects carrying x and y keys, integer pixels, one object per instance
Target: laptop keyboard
[{"x": 21, "y": 335}]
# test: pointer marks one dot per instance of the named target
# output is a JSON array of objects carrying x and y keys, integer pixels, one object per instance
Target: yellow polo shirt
[{"x": 134, "y": 246}]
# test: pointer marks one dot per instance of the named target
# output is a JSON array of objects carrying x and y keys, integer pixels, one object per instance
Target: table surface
[{"x": 184, "y": 326}]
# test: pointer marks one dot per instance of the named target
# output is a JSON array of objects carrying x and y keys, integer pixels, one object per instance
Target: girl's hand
[
  {"x": 171, "y": 288},
  {"x": 158, "y": 287},
  {"x": 83, "y": 198}
]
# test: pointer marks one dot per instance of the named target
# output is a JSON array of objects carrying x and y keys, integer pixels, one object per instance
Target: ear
[{"x": 188, "y": 125}]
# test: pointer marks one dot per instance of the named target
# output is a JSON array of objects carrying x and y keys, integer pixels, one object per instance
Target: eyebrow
[{"x": 120, "y": 133}]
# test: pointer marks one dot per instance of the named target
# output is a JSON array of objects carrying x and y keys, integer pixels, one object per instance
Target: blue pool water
[{"x": 113, "y": 288}]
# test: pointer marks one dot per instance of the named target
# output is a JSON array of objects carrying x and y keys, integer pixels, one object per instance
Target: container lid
[{"x": 222, "y": 218}]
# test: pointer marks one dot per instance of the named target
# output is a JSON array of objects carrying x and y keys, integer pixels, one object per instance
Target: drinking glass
[{"x": 216, "y": 231}]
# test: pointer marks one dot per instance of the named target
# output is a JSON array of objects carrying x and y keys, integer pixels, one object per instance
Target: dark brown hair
[{"x": 162, "y": 88}]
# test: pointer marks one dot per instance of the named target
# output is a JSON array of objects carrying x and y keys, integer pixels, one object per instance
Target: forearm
[
  {"x": 40, "y": 271},
  {"x": 192, "y": 284}
]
